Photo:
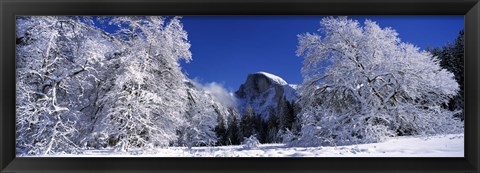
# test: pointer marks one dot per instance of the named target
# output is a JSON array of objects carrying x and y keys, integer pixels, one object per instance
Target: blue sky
[{"x": 227, "y": 48}]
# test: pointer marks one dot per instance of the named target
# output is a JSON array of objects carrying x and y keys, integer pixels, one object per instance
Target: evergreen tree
[
  {"x": 272, "y": 128},
  {"x": 287, "y": 114},
  {"x": 247, "y": 123},
  {"x": 234, "y": 134},
  {"x": 452, "y": 58},
  {"x": 260, "y": 127},
  {"x": 221, "y": 131}
]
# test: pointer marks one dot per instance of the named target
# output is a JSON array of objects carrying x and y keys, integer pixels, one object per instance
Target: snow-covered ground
[{"x": 451, "y": 145}]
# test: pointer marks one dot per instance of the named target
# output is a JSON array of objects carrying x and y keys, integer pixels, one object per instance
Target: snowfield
[{"x": 451, "y": 145}]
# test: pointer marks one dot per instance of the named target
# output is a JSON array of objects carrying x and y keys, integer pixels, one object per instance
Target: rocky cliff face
[{"x": 263, "y": 92}]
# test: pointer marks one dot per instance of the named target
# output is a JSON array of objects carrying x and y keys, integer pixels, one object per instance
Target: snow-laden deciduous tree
[
  {"x": 148, "y": 99},
  {"x": 58, "y": 62},
  {"x": 362, "y": 84},
  {"x": 200, "y": 120}
]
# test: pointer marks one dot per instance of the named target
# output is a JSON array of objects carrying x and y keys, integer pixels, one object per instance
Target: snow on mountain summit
[{"x": 273, "y": 78}]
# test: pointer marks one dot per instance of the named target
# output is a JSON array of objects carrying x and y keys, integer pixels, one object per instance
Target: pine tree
[
  {"x": 261, "y": 130},
  {"x": 452, "y": 58},
  {"x": 221, "y": 131},
  {"x": 248, "y": 123},
  {"x": 287, "y": 114},
  {"x": 234, "y": 133},
  {"x": 272, "y": 128}
]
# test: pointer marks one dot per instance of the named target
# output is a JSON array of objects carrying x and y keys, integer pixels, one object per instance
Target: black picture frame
[{"x": 10, "y": 8}]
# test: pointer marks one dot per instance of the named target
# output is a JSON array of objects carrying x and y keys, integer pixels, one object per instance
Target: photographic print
[{"x": 240, "y": 86}]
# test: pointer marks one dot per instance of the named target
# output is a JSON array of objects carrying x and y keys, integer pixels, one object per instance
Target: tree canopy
[{"x": 362, "y": 84}]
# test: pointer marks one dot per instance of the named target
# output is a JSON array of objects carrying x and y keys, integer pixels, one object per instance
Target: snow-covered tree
[
  {"x": 362, "y": 84},
  {"x": 58, "y": 62},
  {"x": 200, "y": 120},
  {"x": 148, "y": 98}
]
